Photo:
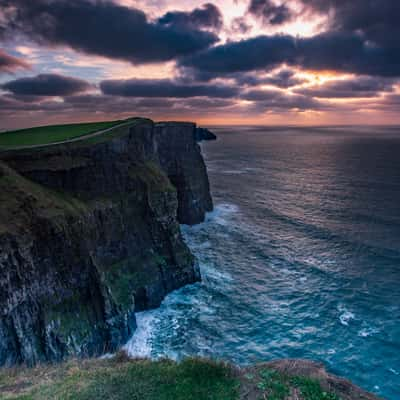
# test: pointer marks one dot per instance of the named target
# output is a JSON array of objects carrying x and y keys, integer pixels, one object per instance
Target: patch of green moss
[
  {"x": 151, "y": 173},
  {"x": 72, "y": 320},
  {"x": 125, "y": 277},
  {"x": 21, "y": 199}
]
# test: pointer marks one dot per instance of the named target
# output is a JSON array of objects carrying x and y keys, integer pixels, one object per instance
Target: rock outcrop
[
  {"x": 181, "y": 159},
  {"x": 204, "y": 134},
  {"x": 342, "y": 388},
  {"x": 89, "y": 234}
]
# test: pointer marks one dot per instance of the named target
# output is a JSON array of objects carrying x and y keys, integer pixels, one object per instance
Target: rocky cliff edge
[{"x": 89, "y": 234}]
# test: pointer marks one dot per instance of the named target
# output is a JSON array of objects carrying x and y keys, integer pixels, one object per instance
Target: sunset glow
[{"x": 230, "y": 62}]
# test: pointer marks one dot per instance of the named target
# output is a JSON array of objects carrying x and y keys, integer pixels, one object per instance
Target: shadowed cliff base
[
  {"x": 121, "y": 378},
  {"x": 89, "y": 232}
]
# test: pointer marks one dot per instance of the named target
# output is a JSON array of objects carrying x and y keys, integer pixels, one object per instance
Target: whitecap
[
  {"x": 210, "y": 273},
  {"x": 392, "y": 370},
  {"x": 233, "y": 172},
  {"x": 365, "y": 332},
  {"x": 345, "y": 315}
]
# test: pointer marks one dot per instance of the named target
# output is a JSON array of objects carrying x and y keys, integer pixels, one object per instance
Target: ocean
[{"x": 300, "y": 258}]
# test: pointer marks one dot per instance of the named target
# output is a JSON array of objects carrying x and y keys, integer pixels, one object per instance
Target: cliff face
[
  {"x": 89, "y": 234},
  {"x": 180, "y": 157}
]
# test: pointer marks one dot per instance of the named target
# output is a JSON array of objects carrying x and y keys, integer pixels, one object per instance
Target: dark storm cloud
[
  {"x": 376, "y": 20},
  {"x": 207, "y": 103},
  {"x": 361, "y": 37},
  {"x": 9, "y": 64},
  {"x": 282, "y": 79},
  {"x": 146, "y": 106},
  {"x": 240, "y": 24},
  {"x": 12, "y": 105},
  {"x": 361, "y": 87},
  {"x": 46, "y": 85},
  {"x": 115, "y": 104},
  {"x": 207, "y": 16},
  {"x": 328, "y": 51},
  {"x": 102, "y": 28},
  {"x": 246, "y": 55},
  {"x": 270, "y": 12},
  {"x": 109, "y": 106},
  {"x": 163, "y": 88}
]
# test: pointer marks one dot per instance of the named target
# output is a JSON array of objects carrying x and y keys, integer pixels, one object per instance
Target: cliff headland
[{"x": 89, "y": 235}]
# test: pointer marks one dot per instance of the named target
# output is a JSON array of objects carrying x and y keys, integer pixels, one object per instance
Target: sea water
[{"x": 300, "y": 258}]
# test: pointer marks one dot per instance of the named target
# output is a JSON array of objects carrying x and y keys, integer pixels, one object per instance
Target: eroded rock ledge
[{"x": 89, "y": 234}]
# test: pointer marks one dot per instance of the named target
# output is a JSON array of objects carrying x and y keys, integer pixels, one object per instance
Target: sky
[{"x": 276, "y": 62}]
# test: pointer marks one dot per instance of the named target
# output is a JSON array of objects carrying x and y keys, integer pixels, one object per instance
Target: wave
[
  {"x": 328, "y": 235},
  {"x": 139, "y": 346},
  {"x": 155, "y": 328},
  {"x": 221, "y": 215},
  {"x": 366, "y": 332},
  {"x": 346, "y": 316}
]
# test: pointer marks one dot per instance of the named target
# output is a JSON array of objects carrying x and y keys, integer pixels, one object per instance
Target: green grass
[
  {"x": 278, "y": 386},
  {"x": 311, "y": 389},
  {"x": 273, "y": 385},
  {"x": 121, "y": 378},
  {"x": 51, "y": 134},
  {"x": 192, "y": 379}
]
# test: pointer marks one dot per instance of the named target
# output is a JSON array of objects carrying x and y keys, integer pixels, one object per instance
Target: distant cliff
[
  {"x": 204, "y": 134},
  {"x": 89, "y": 234}
]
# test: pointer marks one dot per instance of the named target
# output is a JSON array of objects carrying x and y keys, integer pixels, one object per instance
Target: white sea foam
[
  {"x": 365, "y": 332},
  {"x": 392, "y": 370},
  {"x": 140, "y": 343},
  {"x": 107, "y": 356},
  {"x": 346, "y": 316},
  {"x": 233, "y": 172},
  {"x": 222, "y": 213},
  {"x": 210, "y": 273}
]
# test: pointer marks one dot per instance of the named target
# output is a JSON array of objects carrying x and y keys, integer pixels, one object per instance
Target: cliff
[{"x": 89, "y": 234}]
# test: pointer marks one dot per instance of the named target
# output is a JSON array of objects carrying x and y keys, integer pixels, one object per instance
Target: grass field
[
  {"x": 120, "y": 378},
  {"x": 127, "y": 380},
  {"x": 51, "y": 134}
]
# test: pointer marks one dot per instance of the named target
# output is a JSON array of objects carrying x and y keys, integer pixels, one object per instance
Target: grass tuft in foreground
[
  {"x": 120, "y": 379},
  {"x": 278, "y": 386}
]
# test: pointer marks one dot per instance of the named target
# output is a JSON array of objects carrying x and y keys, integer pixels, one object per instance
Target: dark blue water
[{"x": 301, "y": 257}]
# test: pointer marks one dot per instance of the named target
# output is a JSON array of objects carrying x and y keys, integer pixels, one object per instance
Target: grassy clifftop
[
  {"x": 51, "y": 134},
  {"x": 78, "y": 133},
  {"x": 120, "y": 378}
]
